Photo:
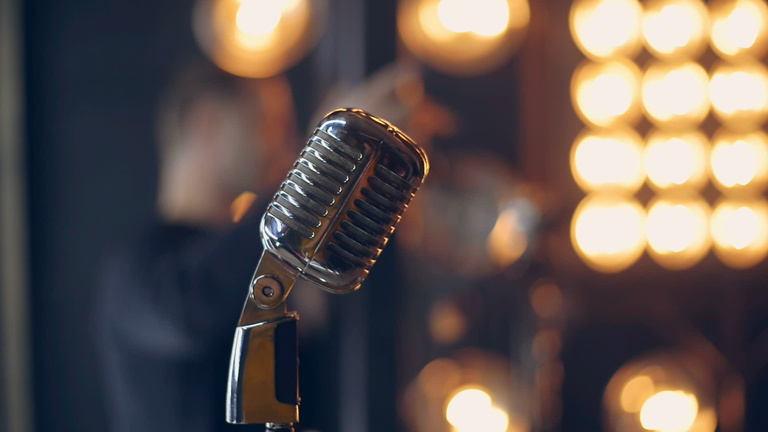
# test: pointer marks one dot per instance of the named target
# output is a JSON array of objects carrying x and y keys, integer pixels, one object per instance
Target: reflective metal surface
[
  {"x": 328, "y": 223},
  {"x": 334, "y": 213}
]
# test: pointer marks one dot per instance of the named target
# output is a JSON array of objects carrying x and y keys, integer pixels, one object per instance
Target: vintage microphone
[{"x": 328, "y": 223}]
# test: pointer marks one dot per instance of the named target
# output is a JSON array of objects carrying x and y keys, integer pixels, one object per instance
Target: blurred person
[{"x": 172, "y": 295}]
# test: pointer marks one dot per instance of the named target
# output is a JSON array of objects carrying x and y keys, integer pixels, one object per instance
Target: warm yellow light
[
  {"x": 675, "y": 28},
  {"x": 669, "y": 411},
  {"x": 677, "y": 229},
  {"x": 739, "y": 28},
  {"x": 483, "y": 17},
  {"x": 257, "y": 38},
  {"x": 676, "y": 160},
  {"x": 258, "y": 17},
  {"x": 606, "y": 28},
  {"x": 635, "y": 392},
  {"x": 607, "y": 232},
  {"x": 463, "y": 37},
  {"x": 740, "y": 231},
  {"x": 608, "y": 160},
  {"x": 675, "y": 95},
  {"x": 740, "y": 162},
  {"x": 605, "y": 94},
  {"x": 471, "y": 410},
  {"x": 739, "y": 94}
]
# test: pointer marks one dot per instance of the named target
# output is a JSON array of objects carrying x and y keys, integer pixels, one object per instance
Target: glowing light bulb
[
  {"x": 471, "y": 410},
  {"x": 740, "y": 162},
  {"x": 605, "y": 29},
  {"x": 608, "y": 160},
  {"x": 635, "y": 392},
  {"x": 739, "y": 28},
  {"x": 669, "y": 411},
  {"x": 257, "y": 38},
  {"x": 463, "y": 37},
  {"x": 675, "y": 95},
  {"x": 740, "y": 231},
  {"x": 607, "y": 232},
  {"x": 677, "y": 229},
  {"x": 739, "y": 94},
  {"x": 675, "y": 28},
  {"x": 605, "y": 94},
  {"x": 676, "y": 160}
]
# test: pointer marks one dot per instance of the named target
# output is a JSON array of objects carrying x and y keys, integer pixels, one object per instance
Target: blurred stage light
[
  {"x": 676, "y": 160},
  {"x": 665, "y": 392},
  {"x": 257, "y": 38},
  {"x": 677, "y": 229},
  {"x": 605, "y": 94},
  {"x": 669, "y": 411},
  {"x": 675, "y": 29},
  {"x": 675, "y": 94},
  {"x": 463, "y": 37},
  {"x": 608, "y": 160},
  {"x": 740, "y": 162},
  {"x": 740, "y": 231},
  {"x": 739, "y": 94},
  {"x": 607, "y": 232},
  {"x": 605, "y": 29},
  {"x": 470, "y": 410},
  {"x": 739, "y": 28}
]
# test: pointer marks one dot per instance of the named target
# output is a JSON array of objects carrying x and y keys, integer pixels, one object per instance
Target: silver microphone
[{"x": 328, "y": 223}]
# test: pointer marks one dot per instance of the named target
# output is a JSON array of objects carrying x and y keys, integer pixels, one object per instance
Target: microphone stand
[{"x": 279, "y": 427}]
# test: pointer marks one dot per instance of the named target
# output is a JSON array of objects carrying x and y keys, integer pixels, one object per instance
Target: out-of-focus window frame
[{"x": 15, "y": 388}]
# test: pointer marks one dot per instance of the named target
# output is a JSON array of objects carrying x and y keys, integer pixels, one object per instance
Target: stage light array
[{"x": 676, "y": 93}]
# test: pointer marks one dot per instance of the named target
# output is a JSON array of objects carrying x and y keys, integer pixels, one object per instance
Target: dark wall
[{"x": 94, "y": 71}]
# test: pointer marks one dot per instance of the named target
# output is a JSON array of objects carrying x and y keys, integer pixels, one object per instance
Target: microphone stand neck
[{"x": 279, "y": 427}]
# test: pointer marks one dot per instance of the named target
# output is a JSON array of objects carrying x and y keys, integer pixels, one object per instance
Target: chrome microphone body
[{"x": 328, "y": 223}]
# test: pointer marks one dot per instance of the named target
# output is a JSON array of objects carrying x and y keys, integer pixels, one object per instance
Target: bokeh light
[
  {"x": 257, "y": 38},
  {"x": 608, "y": 160},
  {"x": 740, "y": 162},
  {"x": 739, "y": 94},
  {"x": 608, "y": 233},
  {"x": 675, "y": 94},
  {"x": 605, "y": 29},
  {"x": 677, "y": 229},
  {"x": 605, "y": 94},
  {"x": 669, "y": 391},
  {"x": 471, "y": 410},
  {"x": 739, "y": 28},
  {"x": 463, "y": 37},
  {"x": 740, "y": 231},
  {"x": 675, "y": 28},
  {"x": 669, "y": 411},
  {"x": 676, "y": 160}
]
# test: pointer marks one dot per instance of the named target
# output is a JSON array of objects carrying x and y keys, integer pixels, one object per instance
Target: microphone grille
[{"x": 339, "y": 204}]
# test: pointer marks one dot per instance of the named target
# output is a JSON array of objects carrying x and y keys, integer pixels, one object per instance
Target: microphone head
[{"x": 341, "y": 201}]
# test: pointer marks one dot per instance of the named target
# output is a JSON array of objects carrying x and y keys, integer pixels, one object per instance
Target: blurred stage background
[{"x": 588, "y": 253}]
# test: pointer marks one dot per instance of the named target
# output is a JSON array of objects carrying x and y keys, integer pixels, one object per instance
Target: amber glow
[
  {"x": 676, "y": 160},
  {"x": 675, "y": 28},
  {"x": 508, "y": 239},
  {"x": 635, "y": 392},
  {"x": 463, "y": 37},
  {"x": 608, "y": 232},
  {"x": 675, "y": 95},
  {"x": 241, "y": 205},
  {"x": 471, "y": 409},
  {"x": 608, "y": 160},
  {"x": 606, "y": 28},
  {"x": 740, "y": 162},
  {"x": 677, "y": 229},
  {"x": 607, "y": 93},
  {"x": 740, "y": 231},
  {"x": 739, "y": 94},
  {"x": 739, "y": 27},
  {"x": 669, "y": 411},
  {"x": 257, "y": 38}
]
